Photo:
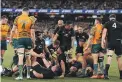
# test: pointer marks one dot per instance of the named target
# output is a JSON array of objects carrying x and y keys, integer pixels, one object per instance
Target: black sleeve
[
  {"x": 106, "y": 25},
  {"x": 86, "y": 36},
  {"x": 60, "y": 31},
  {"x": 56, "y": 30},
  {"x": 72, "y": 33}
]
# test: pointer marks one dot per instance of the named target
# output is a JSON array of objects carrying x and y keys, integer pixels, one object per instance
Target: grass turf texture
[{"x": 114, "y": 73}]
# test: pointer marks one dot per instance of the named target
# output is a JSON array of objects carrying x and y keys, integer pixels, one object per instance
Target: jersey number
[
  {"x": 23, "y": 26},
  {"x": 114, "y": 25}
]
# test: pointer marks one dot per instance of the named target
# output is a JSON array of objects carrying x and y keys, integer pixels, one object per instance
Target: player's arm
[
  {"x": 35, "y": 54},
  {"x": 47, "y": 51},
  {"x": 9, "y": 30},
  {"x": 33, "y": 34},
  {"x": 55, "y": 37},
  {"x": 73, "y": 38},
  {"x": 104, "y": 33},
  {"x": 90, "y": 37},
  {"x": 13, "y": 29}
]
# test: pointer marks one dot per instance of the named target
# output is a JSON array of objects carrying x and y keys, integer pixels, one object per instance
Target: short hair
[
  {"x": 112, "y": 17},
  {"x": 25, "y": 9},
  {"x": 4, "y": 16},
  {"x": 57, "y": 42},
  {"x": 99, "y": 19}
]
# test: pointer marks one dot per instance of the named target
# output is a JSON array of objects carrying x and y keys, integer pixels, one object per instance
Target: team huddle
[{"x": 34, "y": 59}]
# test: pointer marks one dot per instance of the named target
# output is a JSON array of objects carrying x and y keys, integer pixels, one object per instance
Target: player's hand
[{"x": 42, "y": 55}]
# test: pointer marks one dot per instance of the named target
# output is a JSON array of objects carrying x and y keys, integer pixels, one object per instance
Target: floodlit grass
[{"x": 114, "y": 73}]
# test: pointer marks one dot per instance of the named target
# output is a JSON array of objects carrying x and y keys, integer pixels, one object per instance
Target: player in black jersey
[
  {"x": 113, "y": 30},
  {"x": 53, "y": 47},
  {"x": 66, "y": 35},
  {"x": 58, "y": 27},
  {"x": 40, "y": 72},
  {"x": 40, "y": 46},
  {"x": 80, "y": 35}
]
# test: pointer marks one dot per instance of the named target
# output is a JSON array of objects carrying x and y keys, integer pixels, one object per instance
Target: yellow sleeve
[
  {"x": 92, "y": 32},
  {"x": 15, "y": 21},
  {"x": 33, "y": 19}
]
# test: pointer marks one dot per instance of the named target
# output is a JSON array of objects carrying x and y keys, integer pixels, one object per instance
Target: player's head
[
  {"x": 4, "y": 19},
  {"x": 68, "y": 25},
  {"x": 56, "y": 44},
  {"x": 25, "y": 10},
  {"x": 112, "y": 17},
  {"x": 98, "y": 21},
  {"x": 80, "y": 29},
  {"x": 39, "y": 34},
  {"x": 60, "y": 22}
]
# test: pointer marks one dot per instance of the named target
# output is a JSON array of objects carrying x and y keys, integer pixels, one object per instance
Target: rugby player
[
  {"x": 66, "y": 35},
  {"x": 40, "y": 47},
  {"x": 25, "y": 28},
  {"x": 95, "y": 40},
  {"x": 59, "y": 26},
  {"x": 41, "y": 72},
  {"x": 79, "y": 55},
  {"x": 113, "y": 32},
  {"x": 62, "y": 61},
  {"x": 5, "y": 30},
  {"x": 80, "y": 35}
]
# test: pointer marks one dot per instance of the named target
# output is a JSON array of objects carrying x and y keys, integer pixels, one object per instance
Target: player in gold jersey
[
  {"x": 24, "y": 25},
  {"x": 95, "y": 40},
  {"x": 5, "y": 29}
]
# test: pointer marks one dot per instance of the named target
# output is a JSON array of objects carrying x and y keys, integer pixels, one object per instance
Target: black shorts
[
  {"x": 62, "y": 57},
  {"x": 117, "y": 46}
]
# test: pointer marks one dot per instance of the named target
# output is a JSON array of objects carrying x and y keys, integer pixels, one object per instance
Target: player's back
[
  {"x": 23, "y": 23},
  {"x": 114, "y": 30},
  {"x": 98, "y": 34}
]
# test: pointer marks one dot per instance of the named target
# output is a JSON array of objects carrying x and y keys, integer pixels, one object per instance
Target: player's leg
[
  {"x": 119, "y": 60},
  {"x": 28, "y": 47},
  {"x": 3, "y": 49},
  {"x": 20, "y": 53},
  {"x": 20, "y": 62},
  {"x": 107, "y": 66},
  {"x": 118, "y": 52},
  {"x": 101, "y": 65},
  {"x": 82, "y": 60},
  {"x": 95, "y": 54}
]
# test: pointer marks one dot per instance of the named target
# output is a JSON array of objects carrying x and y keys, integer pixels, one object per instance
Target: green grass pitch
[{"x": 114, "y": 73}]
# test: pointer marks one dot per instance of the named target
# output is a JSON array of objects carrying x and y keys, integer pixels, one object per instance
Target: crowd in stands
[{"x": 71, "y": 4}]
